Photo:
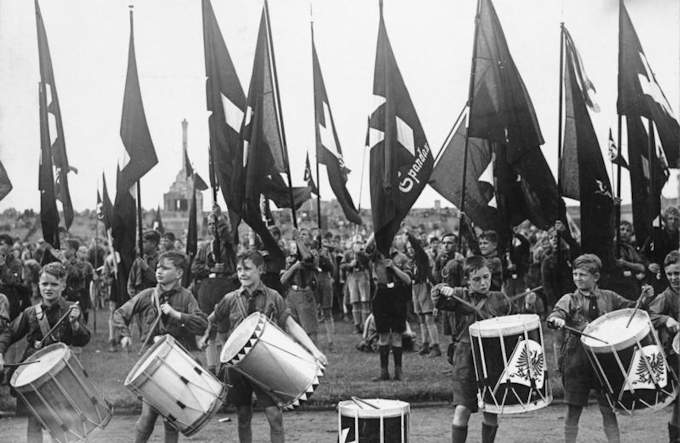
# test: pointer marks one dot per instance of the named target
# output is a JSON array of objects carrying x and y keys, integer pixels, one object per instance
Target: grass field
[{"x": 349, "y": 372}]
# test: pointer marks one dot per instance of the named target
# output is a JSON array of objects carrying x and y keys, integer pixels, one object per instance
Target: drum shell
[
  {"x": 389, "y": 425},
  {"x": 491, "y": 350},
  {"x": 176, "y": 386},
  {"x": 297, "y": 371},
  {"x": 64, "y": 399}
]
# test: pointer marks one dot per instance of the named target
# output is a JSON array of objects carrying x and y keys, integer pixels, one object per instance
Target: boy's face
[
  {"x": 486, "y": 246},
  {"x": 248, "y": 273},
  {"x": 480, "y": 280},
  {"x": 149, "y": 246},
  {"x": 584, "y": 279},
  {"x": 625, "y": 232},
  {"x": 50, "y": 286},
  {"x": 167, "y": 273},
  {"x": 673, "y": 276},
  {"x": 448, "y": 244}
]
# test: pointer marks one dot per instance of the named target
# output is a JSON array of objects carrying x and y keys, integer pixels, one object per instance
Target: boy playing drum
[
  {"x": 254, "y": 296},
  {"x": 470, "y": 304},
  {"x": 36, "y": 321},
  {"x": 664, "y": 312},
  {"x": 576, "y": 310},
  {"x": 180, "y": 317}
]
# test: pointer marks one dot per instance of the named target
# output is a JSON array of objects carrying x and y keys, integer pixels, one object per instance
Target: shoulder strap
[{"x": 42, "y": 321}]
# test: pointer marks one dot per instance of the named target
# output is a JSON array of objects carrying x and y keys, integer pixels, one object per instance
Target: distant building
[{"x": 177, "y": 200}]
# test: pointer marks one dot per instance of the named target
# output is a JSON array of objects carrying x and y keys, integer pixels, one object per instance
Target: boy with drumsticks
[
  {"x": 476, "y": 302},
  {"x": 665, "y": 313},
  {"x": 254, "y": 296},
  {"x": 166, "y": 309},
  {"x": 36, "y": 323},
  {"x": 575, "y": 310}
]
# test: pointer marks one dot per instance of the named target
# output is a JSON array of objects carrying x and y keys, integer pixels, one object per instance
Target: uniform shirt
[
  {"x": 192, "y": 320},
  {"x": 573, "y": 307},
  {"x": 78, "y": 277},
  {"x": 448, "y": 269},
  {"x": 27, "y": 325},
  {"x": 664, "y": 306},
  {"x": 142, "y": 277},
  {"x": 205, "y": 258},
  {"x": 238, "y": 304}
]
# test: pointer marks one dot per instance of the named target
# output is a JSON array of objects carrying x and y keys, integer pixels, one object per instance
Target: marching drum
[
  {"x": 60, "y": 395},
  {"x": 631, "y": 365},
  {"x": 268, "y": 357},
  {"x": 373, "y": 421},
  {"x": 510, "y": 364},
  {"x": 169, "y": 379}
]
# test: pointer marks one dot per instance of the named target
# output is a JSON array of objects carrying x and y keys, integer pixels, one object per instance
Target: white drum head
[
  {"x": 386, "y": 408},
  {"x": 148, "y": 358},
  {"x": 505, "y": 325},
  {"x": 611, "y": 328},
  {"x": 240, "y": 336},
  {"x": 49, "y": 358}
]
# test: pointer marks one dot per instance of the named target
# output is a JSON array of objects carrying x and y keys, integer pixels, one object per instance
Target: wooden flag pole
[
  {"x": 140, "y": 239},
  {"x": 560, "y": 111},
  {"x": 316, "y": 130}
]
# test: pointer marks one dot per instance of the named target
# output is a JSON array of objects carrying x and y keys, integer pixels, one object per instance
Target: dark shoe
[
  {"x": 397, "y": 373},
  {"x": 425, "y": 349},
  {"x": 435, "y": 351}
]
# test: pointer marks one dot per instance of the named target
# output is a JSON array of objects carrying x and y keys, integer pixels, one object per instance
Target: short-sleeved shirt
[{"x": 238, "y": 304}]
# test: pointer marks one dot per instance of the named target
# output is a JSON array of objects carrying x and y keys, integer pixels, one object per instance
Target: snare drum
[
  {"x": 60, "y": 395},
  {"x": 268, "y": 357},
  {"x": 169, "y": 379},
  {"x": 631, "y": 366},
  {"x": 373, "y": 421},
  {"x": 510, "y": 364}
]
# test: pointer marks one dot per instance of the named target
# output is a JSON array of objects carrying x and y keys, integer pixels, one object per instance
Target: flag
[
  {"x": 266, "y": 210},
  {"x": 309, "y": 178},
  {"x": 123, "y": 229},
  {"x": 157, "y": 224},
  {"x": 49, "y": 215},
  {"x": 100, "y": 207},
  {"x": 276, "y": 190},
  {"x": 328, "y": 151},
  {"x": 447, "y": 177},
  {"x": 646, "y": 195},
  {"x": 639, "y": 92},
  {"x": 262, "y": 152},
  {"x": 134, "y": 130},
  {"x": 501, "y": 110},
  {"x": 192, "y": 230},
  {"x": 107, "y": 207},
  {"x": 583, "y": 173},
  {"x": 400, "y": 158},
  {"x": 56, "y": 140},
  {"x": 5, "y": 183},
  {"x": 614, "y": 153}
]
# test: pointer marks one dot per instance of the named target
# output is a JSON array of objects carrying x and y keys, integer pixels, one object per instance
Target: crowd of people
[{"x": 440, "y": 280}]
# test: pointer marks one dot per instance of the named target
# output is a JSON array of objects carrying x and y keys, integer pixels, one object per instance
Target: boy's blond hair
[{"x": 588, "y": 262}]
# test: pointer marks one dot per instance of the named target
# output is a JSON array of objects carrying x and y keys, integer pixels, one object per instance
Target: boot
[
  {"x": 570, "y": 433},
  {"x": 425, "y": 349},
  {"x": 673, "y": 433},
  {"x": 458, "y": 434},
  {"x": 488, "y": 433},
  {"x": 396, "y": 353},
  {"x": 435, "y": 351},
  {"x": 384, "y": 361}
]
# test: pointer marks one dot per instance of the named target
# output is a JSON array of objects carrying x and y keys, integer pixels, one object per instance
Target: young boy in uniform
[
  {"x": 576, "y": 310},
  {"x": 254, "y": 296},
  {"x": 488, "y": 304},
  {"x": 35, "y": 321},
  {"x": 664, "y": 312},
  {"x": 180, "y": 316}
]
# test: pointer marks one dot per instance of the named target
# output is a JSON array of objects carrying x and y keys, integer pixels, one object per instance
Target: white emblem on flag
[
  {"x": 645, "y": 374},
  {"x": 233, "y": 116},
  {"x": 487, "y": 177},
  {"x": 405, "y": 136},
  {"x": 526, "y": 365},
  {"x": 375, "y": 136},
  {"x": 326, "y": 132},
  {"x": 651, "y": 88}
]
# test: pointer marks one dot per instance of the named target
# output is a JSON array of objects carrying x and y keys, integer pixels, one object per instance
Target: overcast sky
[{"x": 432, "y": 41}]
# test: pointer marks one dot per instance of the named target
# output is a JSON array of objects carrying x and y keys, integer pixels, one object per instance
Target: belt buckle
[
  {"x": 390, "y": 285},
  {"x": 295, "y": 287}
]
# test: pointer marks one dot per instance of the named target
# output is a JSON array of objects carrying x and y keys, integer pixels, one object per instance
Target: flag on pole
[
  {"x": 49, "y": 215},
  {"x": 134, "y": 130},
  {"x": 400, "y": 157},
  {"x": 107, "y": 207},
  {"x": 123, "y": 229},
  {"x": 309, "y": 178},
  {"x": 56, "y": 139},
  {"x": 583, "y": 173},
  {"x": 614, "y": 152},
  {"x": 328, "y": 150},
  {"x": 639, "y": 92},
  {"x": 5, "y": 183},
  {"x": 157, "y": 224}
]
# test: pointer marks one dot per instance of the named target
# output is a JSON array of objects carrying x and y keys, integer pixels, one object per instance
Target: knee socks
[
  {"x": 458, "y": 434},
  {"x": 489, "y": 433}
]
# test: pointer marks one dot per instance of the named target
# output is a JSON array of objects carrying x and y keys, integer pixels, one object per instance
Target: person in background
[
  {"x": 167, "y": 242},
  {"x": 661, "y": 241},
  {"x": 143, "y": 271},
  {"x": 356, "y": 265},
  {"x": 422, "y": 302}
]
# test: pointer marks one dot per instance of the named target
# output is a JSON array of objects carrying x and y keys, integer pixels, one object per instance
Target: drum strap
[{"x": 42, "y": 321}]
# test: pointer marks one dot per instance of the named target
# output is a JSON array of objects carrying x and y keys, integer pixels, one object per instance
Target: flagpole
[
  {"x": 471, "y": 93},
  {"x": 559, "y": 145},
  {"x": 618, "y": 147},
  {"x": 387, "y": 153},
  {"x": 217, "y": 250},
  {"x": 316, "y": 130},
  {"x": 140, "y": 241},
  {"x": 284, "y": 147},
  {"x": 363, "y": 163},
  {"x": 448, "y": 136}
]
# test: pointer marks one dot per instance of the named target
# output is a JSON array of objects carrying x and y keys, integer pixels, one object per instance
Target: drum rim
[
  {"x": 261, "y": 319},
  {"x": 42, "y": 379},
  {"x": 207, "y": 415},
  {"x": 476, "y": 330},
  {"x": 134, "y": 375},
  {"x": 599, "y": 348},
  {"x": 517, "y": 409},
  {"x": 399, "y": 409}
]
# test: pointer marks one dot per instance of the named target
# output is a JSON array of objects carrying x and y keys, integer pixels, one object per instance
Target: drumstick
[
  {"x": 576, "y": 331},
  {"x": 148, "y": 336},
  {"x": 637, "y": 307},
  {"x": 14, "y": 365},
  {"x": 59, "y": 322},
  {"x": 525, "y": 293},
  {"x": 356, "y": 399},
  {"x": 470, "y": 305}
]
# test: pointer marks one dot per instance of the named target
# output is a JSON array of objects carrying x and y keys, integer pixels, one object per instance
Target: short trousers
[
  {"x": 242, "y": 389},
  {"x": 464, "y": 382},
  {"x": 578, "y": 376},
  {"x": 324, "y": 290},
  {"x": 422, "y": 302},
  {"x": 359, "y": 287},
  {"x": 302, "y": 305}
]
